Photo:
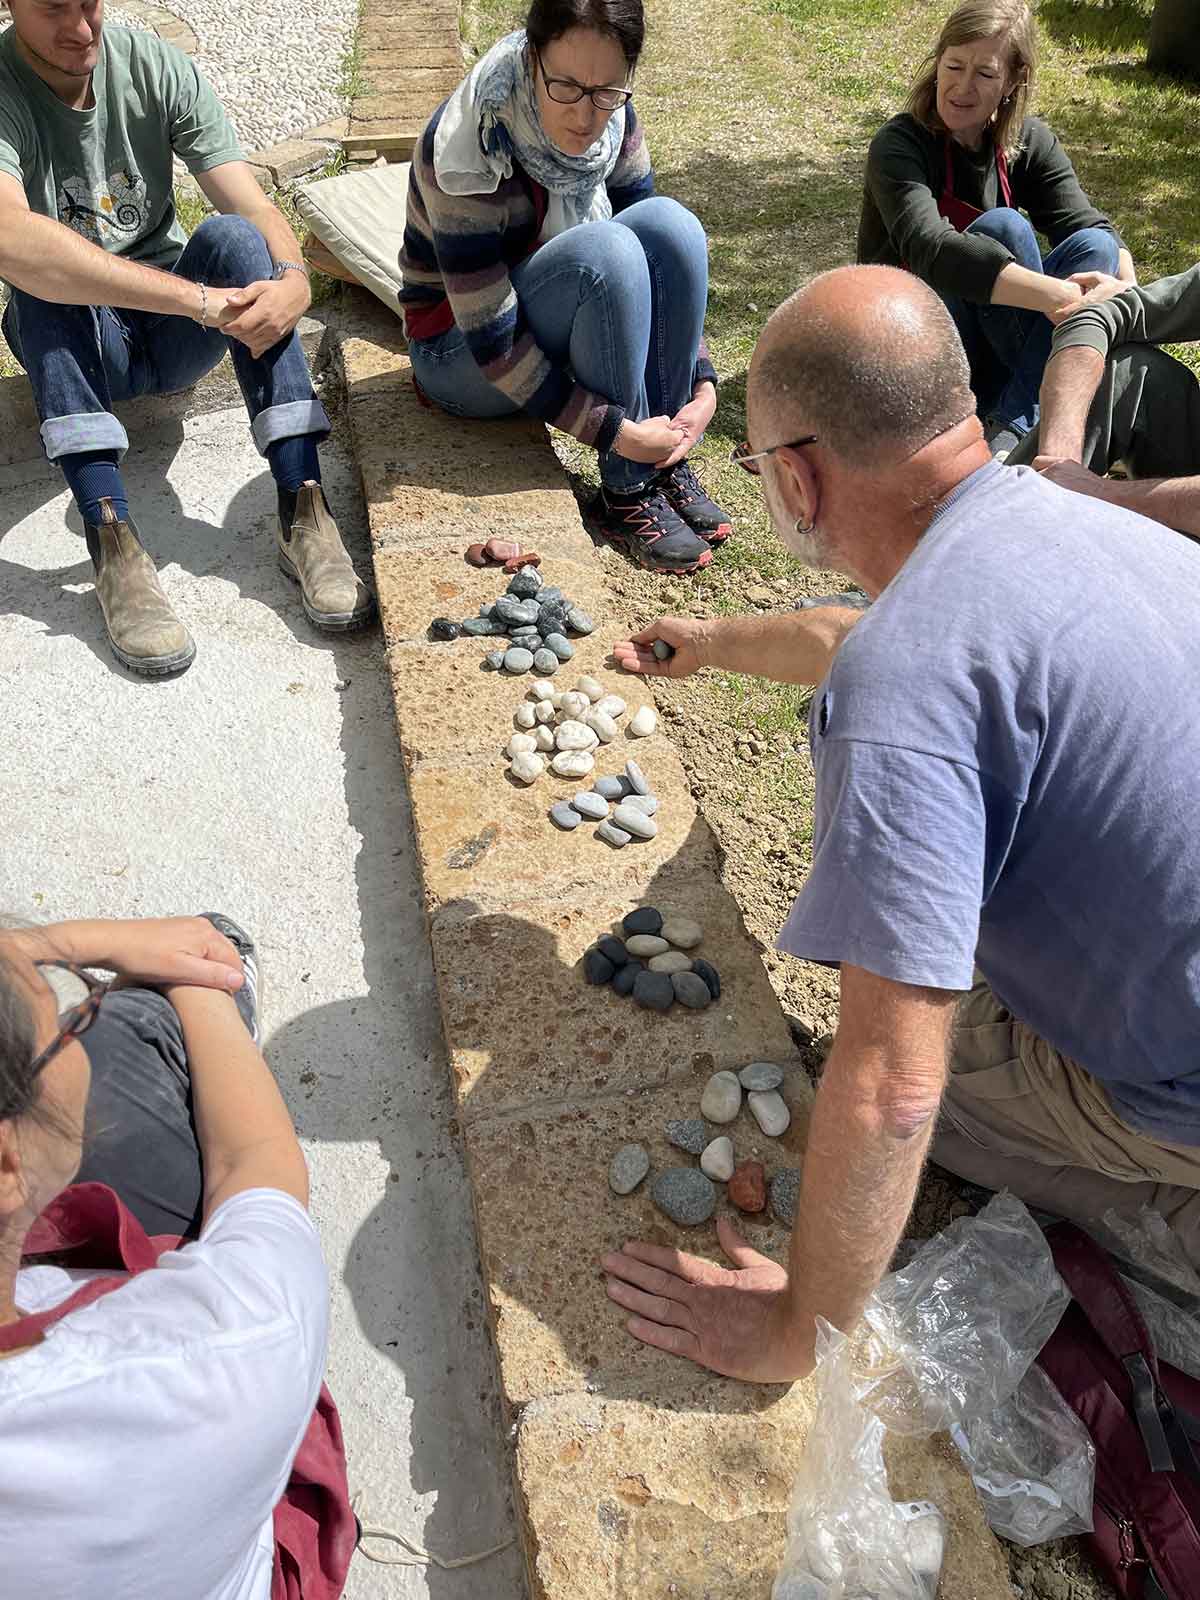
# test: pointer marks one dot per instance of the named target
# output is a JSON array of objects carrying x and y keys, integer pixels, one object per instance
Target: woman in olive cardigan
[{"x": 947, "y": 182}]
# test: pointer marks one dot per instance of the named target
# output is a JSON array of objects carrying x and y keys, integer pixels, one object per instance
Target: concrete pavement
[{"x": 267, "y": 782}]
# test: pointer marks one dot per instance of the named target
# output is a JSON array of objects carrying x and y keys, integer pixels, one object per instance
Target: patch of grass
[
  {"x": 350, "y": 81},
  {"x": 482, "y": 22}
]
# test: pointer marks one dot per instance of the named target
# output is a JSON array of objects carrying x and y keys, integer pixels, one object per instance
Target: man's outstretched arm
[
  {"x": 870, "y": 1130},
  {"x": 795, "y": 647}
]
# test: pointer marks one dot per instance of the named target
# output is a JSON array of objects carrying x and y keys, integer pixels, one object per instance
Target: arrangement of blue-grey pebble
[
  {"x": 668, "y": 972},
  {"x": 535, "y": 616},
  {"x": 688, "y": 1195},
  {"x": 562, "y": 730}
]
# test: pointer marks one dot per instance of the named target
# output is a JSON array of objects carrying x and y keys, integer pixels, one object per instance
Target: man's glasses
[
  {"x": 742, "y": 455},
  {"x": 566, "y": 92},
  {"x": 78, "y": 1017}
]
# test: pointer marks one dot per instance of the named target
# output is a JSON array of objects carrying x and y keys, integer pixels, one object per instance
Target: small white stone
[
  {"x": 544, "y": 713},
  {"x": 573, "y": 735},
  {"x": 525, "y": 715},
  {"x": 717, "y": 1159},
  {"x": 589, "y": 687},
  {"x": 601, "y": 725},
  {"x": 643, "y": 722},
  {"x": 635, "y": 822},
  {"x": 541, "y": 689},
  {"x": 683, "y": 932},
  {"x": 612, "y": 706},
  {"x": 528, "y": 768},
  {"x": 770, "y": 1111},
  {"x": 574, "y": 705},
  {"x": 544, "y": 737},
  {"x": 573, "y": 763},
  {"x": 521, "y": 744},
  {"x": 556, "y": 699},
  {"x": 722, "y": 1097}
]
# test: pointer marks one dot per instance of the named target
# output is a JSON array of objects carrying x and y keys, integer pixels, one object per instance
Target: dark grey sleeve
[
  {"x": 900, "y": 182},
  {"x": 1166, "y": 312}
]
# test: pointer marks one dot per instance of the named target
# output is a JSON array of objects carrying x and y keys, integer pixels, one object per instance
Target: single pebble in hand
[
  {"x": 722, "y": 1097},
  {"x": 770, "y": 1112},
  {"x": 543, "y": 737},
  {"x": 645, "y": 944},
  {"x": 608, "y": 833},
  {"x": 521, "y": 744},
  {"x": 635, "y": 822},
  {"x": 589, "y": 804},
  {"x": 637, "y": 778},
  {"x": 574, "y": 764},
  {"x": 643, "y": 722},
  {"x": 541, "y": 689},
  {"x": 591, "y": 688},
  {"x": 716, "y": 1161},
  {"x": 564, "y": 816},
  {"x": 527, "y": 768},
  {"x": 603, "y": 727},
  {"x": 612, "y": 706},
  {"x": 662, "y": 649},
  {"x": 525, "y": 716},
  {"x": 573, "y": 735}
]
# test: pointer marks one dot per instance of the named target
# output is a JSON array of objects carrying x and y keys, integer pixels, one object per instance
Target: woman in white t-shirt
[{"x": 146, "y": 1437}]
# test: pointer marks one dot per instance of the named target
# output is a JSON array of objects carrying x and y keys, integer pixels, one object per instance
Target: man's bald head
[{"x": 868, "y": 359}]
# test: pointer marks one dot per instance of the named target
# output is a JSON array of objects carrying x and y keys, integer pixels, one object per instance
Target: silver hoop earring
[{"x": 804, "y": 529}]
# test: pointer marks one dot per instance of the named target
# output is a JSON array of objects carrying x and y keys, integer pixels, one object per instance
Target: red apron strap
[
  {"x": 959, "y": 213},
  {"x": 1002, "y": 174}
]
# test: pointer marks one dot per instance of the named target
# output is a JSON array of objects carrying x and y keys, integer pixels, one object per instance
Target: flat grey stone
[
  {"x": 591, "y": 805},
  {"x": 635, "y": 821},
  {"x": 770, "y": 1111},
  {"x": 494, "y": 660},
  {"x": 515, "y": 611},
  {"x": 646, "y": 803},
  {"x": 722, "y": 1097},
  {"x": 545, "y": 662},
  {"x": 579, "y": 622},
  {"x": 785, "y": 1195},
  {"x": 761, "y": 1075},
  {"x": 644, "y": 944},
  {"x": 565, "y": 816},
  {"x": 517, "y": 660},
  {"x": 627, "y": 1168},
  {"x": 612, "y": 789},
  {"x": 637, "y": 778},
  {"x": 653, "y": 990},
  {"x": 611, "y": 834},
  {"x": 549, "y": 593},
  {"x": 687, "y": 1133},
  {"x": 562, "y": 647},
  {"x": 685, "y": 1195},
  {"x": 483, "y": 628},
  {"x": 710, "y": 975},
  {"x": 691, "y": 990},
  {"x": 670, "y": 961}
]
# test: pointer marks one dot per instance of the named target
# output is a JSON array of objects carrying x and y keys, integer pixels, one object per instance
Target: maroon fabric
[
  {"x": 1139, "y": 1411},
  {"x": 957, "y": 212},
  {"x": 315, "y": 1529}
]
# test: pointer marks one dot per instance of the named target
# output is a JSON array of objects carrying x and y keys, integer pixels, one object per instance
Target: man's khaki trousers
[{"x": 1017, "y": 1115}]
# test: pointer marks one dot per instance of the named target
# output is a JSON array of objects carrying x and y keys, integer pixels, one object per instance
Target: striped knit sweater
[{"x": 456, "y": 258}]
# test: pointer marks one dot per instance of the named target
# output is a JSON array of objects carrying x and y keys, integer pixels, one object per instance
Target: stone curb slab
[
  {"x": 633, "y": 1498},
  {"x": 526, "y": 1028}
]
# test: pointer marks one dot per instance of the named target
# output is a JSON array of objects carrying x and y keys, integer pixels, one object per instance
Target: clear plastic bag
[
  {"x": 1033, "y": 1463},
  {"x": 847, "y": 1538}
]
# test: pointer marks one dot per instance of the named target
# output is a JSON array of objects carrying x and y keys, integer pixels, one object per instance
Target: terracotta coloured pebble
[
  {"x": 637, "y": 778},
  {"x": 670, "y": 961},
  {"x": 748, "y": 1187},
  {"x": 645, "y": 919},
  {"x": 691, "y": 991},
  {"x": 626, "y": 977},
  {"x": 685, "y": 1195},
  {"x": 628, "y": 1167},
  {"x": 609, "y": 833},
  {"x": 476, "y": 556},
  {"x": 501, "y": 550},
  {"x": 529, "y": 559},
  {"x": 644, "y": 944},
  {"x": 687, "y": 1133},
  {"x": 653, "y": 990},
  {"x": 709, "y": 976},
  {"x": 564, "y": 817},
  {"x": 785, "y": 1195}
]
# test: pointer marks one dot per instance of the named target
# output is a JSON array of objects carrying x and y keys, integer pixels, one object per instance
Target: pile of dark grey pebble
[
  {"x": 667, "y": 974},
  {"x": 537, "y": 619}
]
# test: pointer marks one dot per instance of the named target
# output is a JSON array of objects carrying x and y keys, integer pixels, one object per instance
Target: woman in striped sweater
[{"x": 524, "y": 292}]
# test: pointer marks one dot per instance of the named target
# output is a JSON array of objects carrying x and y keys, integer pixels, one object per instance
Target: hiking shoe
[
  {"x": 686, "y": 493},
  {"x": 247, "y": 998},
  {"x": 311, "y": 551},
  {"x": 145, "y": 634},
  {"x": 646, "y": 526}
]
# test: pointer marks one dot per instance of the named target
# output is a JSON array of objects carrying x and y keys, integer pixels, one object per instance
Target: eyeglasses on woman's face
[
  {"x": 566, "y": 92},
  {"x": 742, "y": 456},
  {"x": 83, "y": 995}
]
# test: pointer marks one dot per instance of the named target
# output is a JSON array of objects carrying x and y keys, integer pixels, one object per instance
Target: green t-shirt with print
[{"x": 107, "y": 172}]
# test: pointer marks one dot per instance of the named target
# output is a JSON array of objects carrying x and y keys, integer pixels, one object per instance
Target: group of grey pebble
[
  {"x": 669, "y": 974},
  {"x": 688, "y": 1195},
  {"x": 536, "y": 617}
]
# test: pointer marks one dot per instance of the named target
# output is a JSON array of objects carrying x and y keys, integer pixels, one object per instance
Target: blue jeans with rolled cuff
[
  {"x": 83, "y": 359},
  {"x": 620, "y": 304},
  {"x": 1007, "y": 348}
]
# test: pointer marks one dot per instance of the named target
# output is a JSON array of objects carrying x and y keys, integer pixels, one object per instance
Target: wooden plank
[{"x": 390, "y": 144}]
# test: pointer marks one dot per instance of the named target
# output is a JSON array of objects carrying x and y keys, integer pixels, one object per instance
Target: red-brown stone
[
  {"x": 501, "y": 549},
  {"x": 476, "y": 556},
  {"x": 529, "y": 559},
  {"x": 747, "y": 1188}
]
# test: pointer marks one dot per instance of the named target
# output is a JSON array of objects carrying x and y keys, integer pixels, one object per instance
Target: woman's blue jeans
[
  {"x": 620, "y": 304},
  {"x": 1008, "y": 348}
]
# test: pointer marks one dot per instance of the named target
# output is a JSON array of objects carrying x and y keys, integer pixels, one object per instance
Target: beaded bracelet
[{"x": 202, "y": 319}]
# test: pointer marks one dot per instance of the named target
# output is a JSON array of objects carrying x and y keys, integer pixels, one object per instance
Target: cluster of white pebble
[{"x": 561, "y": 729}]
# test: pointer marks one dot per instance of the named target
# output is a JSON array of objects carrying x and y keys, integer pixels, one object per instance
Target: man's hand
[
  {"x": 263, "y": 313},
  {"x": 692, "y": 418},
  {"x": 1070, "y": 475},
  {"x": 1094, "y": 289},
  {"x": 736, "y": 1323},
  {"x": 683, "y": 634}
]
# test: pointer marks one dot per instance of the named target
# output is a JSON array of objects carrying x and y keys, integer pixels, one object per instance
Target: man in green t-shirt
[{"x": 111, "y": 299}]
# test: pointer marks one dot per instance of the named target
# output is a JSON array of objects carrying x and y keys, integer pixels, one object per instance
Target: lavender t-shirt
[{"x": 1007, "y": 754}]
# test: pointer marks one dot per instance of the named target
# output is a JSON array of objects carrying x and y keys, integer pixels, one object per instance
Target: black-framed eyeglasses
[
  {"x": 79, "y": 1018},
  {"x": 742, "y": 455},
  {"x": 566, "y": 92}
]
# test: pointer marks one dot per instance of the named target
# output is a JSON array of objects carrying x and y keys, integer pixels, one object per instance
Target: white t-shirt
[{"x": 145, "y": 1442}]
